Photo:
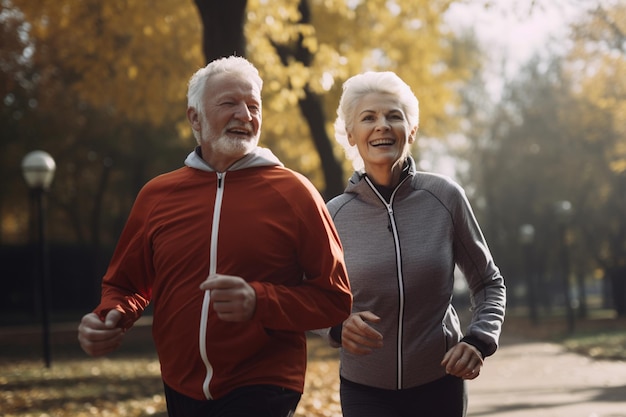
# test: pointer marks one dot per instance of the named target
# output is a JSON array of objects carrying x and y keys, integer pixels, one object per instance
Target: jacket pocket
[{"x": 451, "y": 326}]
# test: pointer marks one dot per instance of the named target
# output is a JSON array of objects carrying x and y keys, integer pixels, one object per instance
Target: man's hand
[
  {"x": 98, "y": 338},
  {"x": 463, "y": 361},
  {"x": 232, "y": 297},
  {"x": 358, "y": 337}
]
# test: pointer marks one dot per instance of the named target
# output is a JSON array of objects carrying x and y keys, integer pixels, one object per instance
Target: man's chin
[{"x": 236, "y": 147}]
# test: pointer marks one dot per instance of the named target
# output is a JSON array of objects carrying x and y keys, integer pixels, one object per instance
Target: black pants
[
  {"x": 445, "y": 397},
  {"x": 251, "y": 401}
]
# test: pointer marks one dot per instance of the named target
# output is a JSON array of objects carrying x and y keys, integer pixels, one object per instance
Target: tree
[
  {"x": 102, "y": 83},
  {"x": 597, "y": 64},
  {"x": 16, "y": 111},
  {"x": 557, "y": 134}
]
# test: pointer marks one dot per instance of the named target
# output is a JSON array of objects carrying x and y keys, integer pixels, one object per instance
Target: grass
[
  {"x": 606, "y": 345},
  {"x": 600, "y": 336}
]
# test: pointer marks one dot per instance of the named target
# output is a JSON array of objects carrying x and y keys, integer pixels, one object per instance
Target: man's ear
[{"x": 194, "y": 118}]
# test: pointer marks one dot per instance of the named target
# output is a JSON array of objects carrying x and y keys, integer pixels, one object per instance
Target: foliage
[
  {"x": 598, "y": 66},
  {"x": 101, "y": 86},
  {"x": 346, "y": 38},
  {"x": 78, "y": 388},
  {"x": 126, "y": 383}
]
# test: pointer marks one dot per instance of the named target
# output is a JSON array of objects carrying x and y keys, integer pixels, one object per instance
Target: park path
[
  {"x": 538, "y": 379},
  {"x": 525, "y": 378}
]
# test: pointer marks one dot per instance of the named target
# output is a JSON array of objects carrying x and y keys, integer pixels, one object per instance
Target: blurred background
[{"x": 522, "y": 102}]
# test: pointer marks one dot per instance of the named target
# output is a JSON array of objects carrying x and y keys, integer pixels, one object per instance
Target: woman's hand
[
  {"x": 463, "y": 361},
  {"x": 357, "y": 336}
]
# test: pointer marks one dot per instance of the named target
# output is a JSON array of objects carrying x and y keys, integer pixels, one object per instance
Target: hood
[{"x": 258, "y": 157}]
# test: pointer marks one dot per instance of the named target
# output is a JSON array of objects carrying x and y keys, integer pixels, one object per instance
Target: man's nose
[{"x": 242, "y": 112}]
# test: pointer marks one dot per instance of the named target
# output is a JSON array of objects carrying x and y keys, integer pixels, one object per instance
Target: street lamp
[
  {"x": 38, "y": 169},
  {"x": 526, "y": 237},
  {"x": 563, "y": 210}
]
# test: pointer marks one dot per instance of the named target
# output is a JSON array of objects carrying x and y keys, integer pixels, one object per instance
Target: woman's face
[{"x": 380, "y": 131}]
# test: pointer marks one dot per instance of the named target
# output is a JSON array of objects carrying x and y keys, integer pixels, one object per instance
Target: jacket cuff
[
  {"x": 335, "y": 333},
  {"x": 482, "y": 347}
]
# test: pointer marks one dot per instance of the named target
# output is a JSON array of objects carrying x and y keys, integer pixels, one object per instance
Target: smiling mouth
[
  {"x": 382, "y": 142},
  {"x": 239, "y": 131}
]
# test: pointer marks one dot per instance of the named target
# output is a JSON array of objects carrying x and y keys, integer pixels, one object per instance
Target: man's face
[{"x": 230, "y": 124}]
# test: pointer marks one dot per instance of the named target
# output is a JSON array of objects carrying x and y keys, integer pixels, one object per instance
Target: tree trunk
[
  {"x": 223, "y": 24},
  {"x": 617, "y": 277},
  {"x": 312, "y": 110}
]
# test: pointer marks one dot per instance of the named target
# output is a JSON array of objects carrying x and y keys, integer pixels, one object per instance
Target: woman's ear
[
  {"x": 351, "y": 139},
  {"x": 412, "y": 135}
]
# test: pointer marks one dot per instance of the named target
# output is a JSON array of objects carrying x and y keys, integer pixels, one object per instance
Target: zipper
[
  {"x": 204, "y": 318},
  {"x": 394, "y": 231}
]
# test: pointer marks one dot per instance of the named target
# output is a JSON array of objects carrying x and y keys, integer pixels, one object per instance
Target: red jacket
[{"x": 260, "y": 221}]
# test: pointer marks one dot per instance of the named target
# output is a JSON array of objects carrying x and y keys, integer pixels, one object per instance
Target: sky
[{"x": 512, "y": 30}]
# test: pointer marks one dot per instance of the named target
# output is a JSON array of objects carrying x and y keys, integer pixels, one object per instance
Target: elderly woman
[{"x": 404, "y": 231}]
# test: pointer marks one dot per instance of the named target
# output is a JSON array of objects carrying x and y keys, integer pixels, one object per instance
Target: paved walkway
[{"x": 536, "y": 379}]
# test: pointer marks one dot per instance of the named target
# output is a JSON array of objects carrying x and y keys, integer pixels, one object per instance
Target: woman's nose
[{"x": 382, "y": 124}]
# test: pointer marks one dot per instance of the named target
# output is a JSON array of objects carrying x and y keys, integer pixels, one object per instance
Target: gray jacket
[{"x": 401, "y": 258}]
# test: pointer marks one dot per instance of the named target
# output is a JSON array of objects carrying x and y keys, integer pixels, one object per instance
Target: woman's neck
[{"x": 387, "y": 176}]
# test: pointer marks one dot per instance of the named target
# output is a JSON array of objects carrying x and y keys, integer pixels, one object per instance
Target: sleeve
[
  {"x": 126, "y": 285},
  {"x": 324, "y": 298},
  {"x": 486, "y": 284},
  {"x": 331, "y": 334}
]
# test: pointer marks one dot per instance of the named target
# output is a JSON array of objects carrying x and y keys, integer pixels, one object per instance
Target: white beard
[
  {"x": 234, "y": 146},
  {"x": 226, "y": 145}
]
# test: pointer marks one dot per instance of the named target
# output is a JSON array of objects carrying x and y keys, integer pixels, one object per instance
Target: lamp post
[
  {"x": 563, "y": 210},
  {"x": 526, "y": 237},
  {"x": 38, "y": 169}
]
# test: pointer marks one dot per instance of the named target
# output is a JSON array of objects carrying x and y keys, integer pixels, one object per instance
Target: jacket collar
[{"x": 258, "y": 157}]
